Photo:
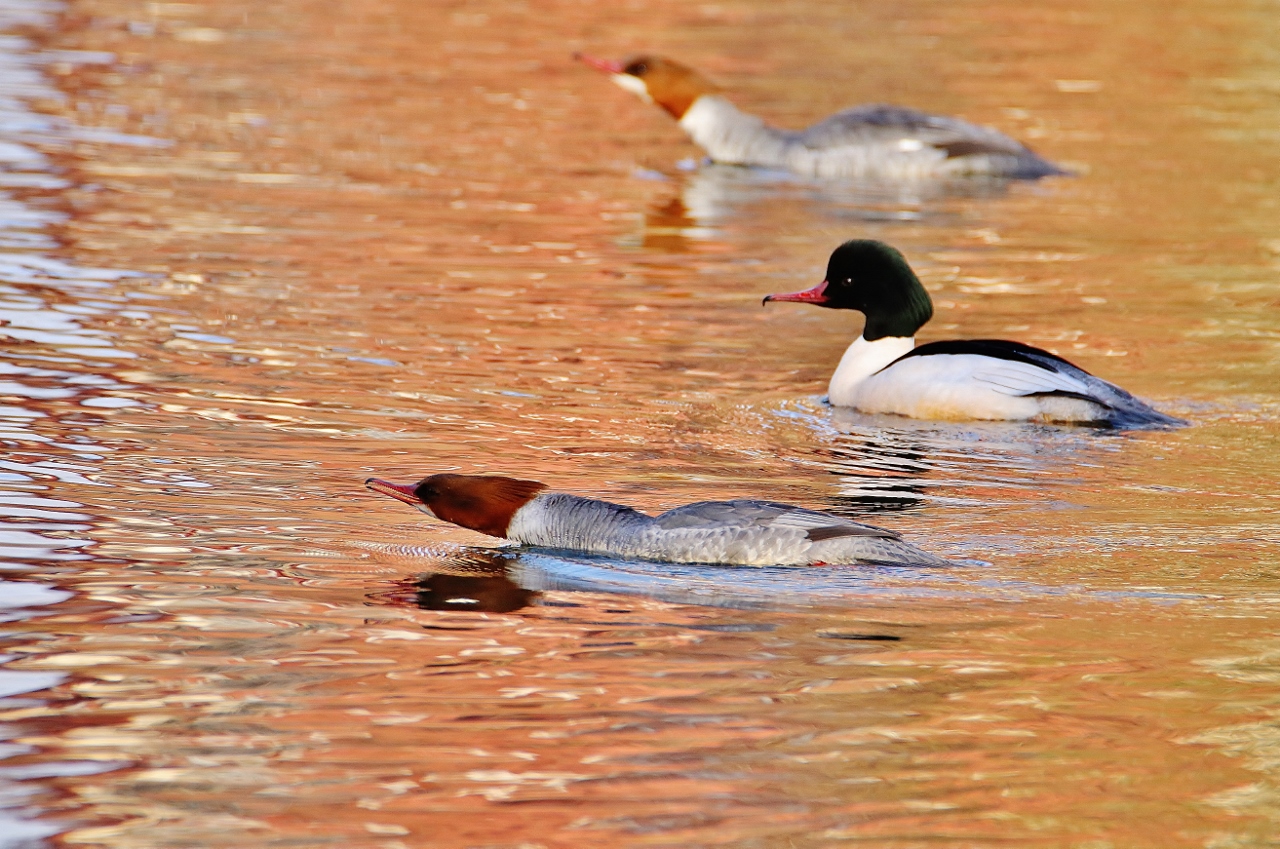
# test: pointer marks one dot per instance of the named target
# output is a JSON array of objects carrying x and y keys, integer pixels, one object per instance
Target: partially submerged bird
[
  {"x": 739, "y": 533},
  {"x": 884, "y": 372},
  {"x": 872, "y": 141}
]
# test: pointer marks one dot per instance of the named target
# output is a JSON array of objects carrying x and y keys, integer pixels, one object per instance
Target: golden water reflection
[{"x": 266, "y": 251}]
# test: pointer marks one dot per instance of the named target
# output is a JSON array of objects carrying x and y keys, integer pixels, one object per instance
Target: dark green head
[{"x": 874, "y": 279}]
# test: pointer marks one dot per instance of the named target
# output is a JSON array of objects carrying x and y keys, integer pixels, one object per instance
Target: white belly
[{"x": 905, "y": 393}]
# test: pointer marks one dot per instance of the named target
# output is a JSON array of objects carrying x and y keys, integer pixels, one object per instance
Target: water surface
[{"x": 253, "y": 254}]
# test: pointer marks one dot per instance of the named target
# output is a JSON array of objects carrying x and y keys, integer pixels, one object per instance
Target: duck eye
[
  {"x": 636, "y": 69},
  {"x": 425, "y": 492}
]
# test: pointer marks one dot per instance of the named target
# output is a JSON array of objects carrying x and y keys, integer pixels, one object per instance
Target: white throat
[
  {"x": 861, "y": 360},
  {"x": 730, "y": 135},
  {"x": 635, "y": 85}
]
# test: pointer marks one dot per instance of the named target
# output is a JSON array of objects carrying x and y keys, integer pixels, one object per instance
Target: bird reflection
[
  {"x": 472, "y": 579},
  {"x": 714, "y": 193},
  {"x": 507, "y": 580},
  {"x": 493, "y": 594},
  {"x": 668, "y": 227},
  {"x": 710, "y": 195},
  {"x": 880, "y": 470},
  {"x": 888, "y": 464}
]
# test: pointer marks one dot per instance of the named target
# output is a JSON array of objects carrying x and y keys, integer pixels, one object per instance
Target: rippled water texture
[{"x": 251, "y": 253}]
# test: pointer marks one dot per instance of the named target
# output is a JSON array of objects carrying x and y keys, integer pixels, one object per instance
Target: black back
[{"x": 1000, "y": 349}]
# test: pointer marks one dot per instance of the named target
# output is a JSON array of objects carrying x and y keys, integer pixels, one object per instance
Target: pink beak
[
  {"x": 816, "y": 295},
  {"x": 602, "y": 65},
  {"x": 398, "y": 491}
]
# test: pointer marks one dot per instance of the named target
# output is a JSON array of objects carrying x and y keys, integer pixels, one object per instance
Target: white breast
[
  {"x": 731, "y": 136},
  {"x": 861, "y": 360}
]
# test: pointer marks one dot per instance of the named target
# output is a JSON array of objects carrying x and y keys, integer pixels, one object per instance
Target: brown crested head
[
  {"x": 669, "y": 84},
  {"x": 481, "y": 503}
]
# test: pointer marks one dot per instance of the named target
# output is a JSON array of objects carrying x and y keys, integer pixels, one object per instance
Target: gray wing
[
  {"x": 745, "y": 513},
  {"x": 881, "y": 123}
]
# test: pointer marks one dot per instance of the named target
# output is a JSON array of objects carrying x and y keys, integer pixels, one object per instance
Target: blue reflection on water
[{"x": 54, "y": 366}]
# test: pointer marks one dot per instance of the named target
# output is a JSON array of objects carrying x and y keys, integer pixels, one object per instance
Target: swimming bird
[
  {"x": 872, "y": 141},
  {"x": 741, "y": 532},
  {"x": 884, "y": 372}
]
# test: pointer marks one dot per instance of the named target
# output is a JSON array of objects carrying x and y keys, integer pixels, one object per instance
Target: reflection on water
[
  {"x": 57, "y": 381},
  {"x": 506, "y": 580},
  {"x": 493, "y": 593},
  {"x": 891, "y": 463},
  {"x": 459, "y": 580},
  {"x": 716, "y": 194},
  {"x": 248, "y": 256}
]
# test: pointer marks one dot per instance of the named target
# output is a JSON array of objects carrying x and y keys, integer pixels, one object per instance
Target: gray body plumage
[
  {"x": 743, "y": 533},
  {"x": 866, "y": 141}
]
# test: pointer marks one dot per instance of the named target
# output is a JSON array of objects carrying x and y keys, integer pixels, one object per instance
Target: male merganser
[
  {"x": 869, "y": 141},
  {"x": 739, "y": 533},
  {"x": 883, "y": 371}
]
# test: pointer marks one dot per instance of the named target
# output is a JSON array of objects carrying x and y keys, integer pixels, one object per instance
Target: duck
[
  {"x": 874, "y": 141},
  {"x": 883, "y": 371},
  {"x": 741, "y": 532}
]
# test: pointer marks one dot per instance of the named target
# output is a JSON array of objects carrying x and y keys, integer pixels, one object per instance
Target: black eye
[
  {"x": 424, "y": 491},
  {"x": 636, "y": 69}
]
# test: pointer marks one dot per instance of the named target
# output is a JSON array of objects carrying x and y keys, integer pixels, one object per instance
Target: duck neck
[
  {"x": 731, "y": 136},
  {"x": 861, "y": 360},
  {"x": 560, "y": 520}
]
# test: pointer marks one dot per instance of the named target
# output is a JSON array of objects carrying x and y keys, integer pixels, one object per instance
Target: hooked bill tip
[{"x": 816, "y": 295}]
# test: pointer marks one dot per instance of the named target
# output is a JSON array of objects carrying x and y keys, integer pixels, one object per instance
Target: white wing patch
[
  {"x": 921, "y": 375},
  {"x": 1016, "y": 378},
  {"x": 969, "y": 386}
]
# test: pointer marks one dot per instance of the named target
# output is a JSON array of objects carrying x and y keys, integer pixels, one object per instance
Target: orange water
[{"x": 398, "y": 238}]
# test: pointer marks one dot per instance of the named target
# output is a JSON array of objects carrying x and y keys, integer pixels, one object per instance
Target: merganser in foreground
[
  {"x": 739, "y": 533},
  {"x": 883, "y": 371},
  {"x": 865, "y": 142}
]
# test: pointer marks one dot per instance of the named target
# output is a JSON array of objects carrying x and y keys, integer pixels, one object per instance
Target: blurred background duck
[{"x": 872, "y": 141}]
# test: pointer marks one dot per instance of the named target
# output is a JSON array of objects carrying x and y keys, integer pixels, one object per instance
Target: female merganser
[
  {"x": 883, "y": 371},
  {"x": 739, "y": 533},
  {"x": 866, "y": 141}
]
